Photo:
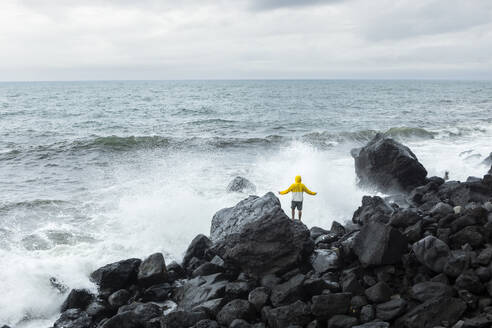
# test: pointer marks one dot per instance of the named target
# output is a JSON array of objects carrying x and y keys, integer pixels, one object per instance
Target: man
[{"x": 297, "y": 190}]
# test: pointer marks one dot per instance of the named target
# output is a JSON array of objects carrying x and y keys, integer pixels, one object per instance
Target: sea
[{"x": 96, "y": 172}]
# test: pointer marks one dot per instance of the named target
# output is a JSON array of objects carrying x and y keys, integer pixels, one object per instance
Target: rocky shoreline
[{"x": 422, "y": 258}]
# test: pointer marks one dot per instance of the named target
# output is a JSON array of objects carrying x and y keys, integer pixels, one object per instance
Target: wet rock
[
  {"x": 197, "y": 249},
  {"x": 271, "y": 244},
  {"x": 297, "y": 313},
  {"x": 379, "y": 244},
  {"x": 432, "y": 313},
  {"x": 388, "y": 165},
  {"x": 289, "y": 291},
  {"x": 325, "y": 306},
  {"x": 405, "y": 218},
  {"x": 316, "y": 232},
  {"x": 471, "y": 235},
  {"x": 457, "y": 262},
  {"x": 200, "y": 289},
  {"x": 428, "y": 290},
  {"x": 239, "y": 323},
  {"x": 342, "y": 321},
  {"x": 350, "y": 284},
  {"x": 133, "y": 316},
  {"x": 118, "y": 275},
  {"x": 373, "y": 209},
  {"x": 389, "y": 310},
  {"x": 73, "y": 318},
  {"x": 431, "y": 252},
  {"x": 235, "y": 309},
  {"x": 379, "y": 293},
  {"x": 180, "y": 319},
  {"x": 238, "y": 289},
  {"x": 337, "y": 228},
  {"x": 206, "y": 269},
  {"x": 375, "y": 324},
  {"x": 206, "y": 323},
  {"x": 323, "y": 260},
  {"x": 99, "y": 310},
  {"x": 485, "y": 256},
  {"x": 231, "y": 220},
  {"x": 259, "y": 297},
  {"x": 77, "y": 299},
  {"x": 157, "y": 293},
  {"x": 241, "y": 184},
  {"x": 413, "y": 233},
  {"x": 441, "y": 209},
  {"x": 469, "y": 280},
  {"x": 119, "y": 298},
  {"x": 152, "y": 270},
  {"x": 367, "y": 313}
]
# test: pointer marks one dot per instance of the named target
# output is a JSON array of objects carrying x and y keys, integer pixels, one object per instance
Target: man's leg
[
  {"x": 293, "y": 213},
  {"x": 300, "y": 215}
]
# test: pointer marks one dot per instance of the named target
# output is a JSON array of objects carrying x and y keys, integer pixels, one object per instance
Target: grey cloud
[{"x": 276, "y": 4}]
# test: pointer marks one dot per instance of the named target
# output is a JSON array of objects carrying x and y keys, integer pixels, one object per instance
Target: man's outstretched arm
[
  {"x": 286, "y": 191},
  {"x": 308, "y": 191}
]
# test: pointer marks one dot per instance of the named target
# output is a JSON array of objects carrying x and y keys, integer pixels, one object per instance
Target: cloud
[{"x": 276, "y": 4}]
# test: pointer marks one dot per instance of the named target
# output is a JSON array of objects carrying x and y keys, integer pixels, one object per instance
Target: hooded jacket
[{"x": 297, "y": 190}]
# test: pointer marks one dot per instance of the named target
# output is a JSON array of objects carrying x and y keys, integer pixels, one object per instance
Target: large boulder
[
  {"x": 77, "y": 299},
  {"x": 115, "y": 276},
  {"x": 232, "y": 219},
  {"x": 272, "y": 243},
  {"x": 431, "y": 252},
  {"x": 433, "y": 313},
  {"x": 152, "y": 270},
  {"x": 379, "y": 244},
  {"x": 235, "y": 309},
  {"x": 388, "y": 165},
  {"x": 241, "y": 184},
  {"x": 197, "y": 250},
  {"x": 199, "y": 290},
  {"x": 373, "y": 209}
]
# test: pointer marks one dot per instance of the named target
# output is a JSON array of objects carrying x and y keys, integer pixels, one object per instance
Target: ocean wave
[
  {"x": 7, "y": 206},
  {"x": 124, "y": 144}
]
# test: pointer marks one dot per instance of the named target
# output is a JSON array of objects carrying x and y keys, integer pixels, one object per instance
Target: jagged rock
[
  {"x": 337, "y": 228},
  {"x": 413, "y": 233},
  {"x": 457, "y": 262},
  {"x": 326, "y": 238},
  {"x": 469, "y": 280},
  {"x": 379, "y": 244},
  {"x": 180, "y": 319},
  {"x": 232, "y": 219},
  {"x": 73, "y": 318},
  {"x": 427, "y": 290},
  {"x": 259, "y": 297},
  {"x": 350, "y": 284},
  {"x": 325, "y": 306},
  {"x": 342, "y": 321},
  {"x": 373, "y": 208},
  {"x": 471, "y": 235},
  {"x": 197, "y": 249},
  {"x": 119, "y": 298},
  {"x": 316, "y": 232},
  {"x": 315, "y": 286},
  {"x": 431, "y": 252},
  {"x": 98, "y": 310},
  {"x": 432, "y": 313},
  {"x": 375, "y": 324},
  {"x": 389, "y": 310},
  {"x": 77, "y": 299},
  {"x": 207, "y": 269},
  {"x": 237, "y": 289},
  {"x": 323, "y": 260},
  {"x": 405, "y": 218},
  {"x": 206, "y": 323},
  {"x": 152, "y": 270},
  {"x": 367, "y": 313},
  {"x": 133, "y": 316},
  {"x": 271, "y": 244},
  {"x": 239, "y": 323},
  {"x": 240, "y": 184},
  {"x": 297, "y": 313},
  {"x": 288, "y": 292},
  {"x": 388, "y": 165},
  {"x": 441, "y": 209},
  {"x": 200, "y": 289},
  {"x": 235, "y": 309},
  {"x": 379, "y": 293},
  {"x": 157, "y": 293},
  {"x": 118, "y": 275}
]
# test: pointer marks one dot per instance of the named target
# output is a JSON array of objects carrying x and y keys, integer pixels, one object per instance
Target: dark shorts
[{"x": 296, "y": 204}]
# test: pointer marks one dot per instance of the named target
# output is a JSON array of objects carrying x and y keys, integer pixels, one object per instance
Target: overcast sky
[{"x": 215, "y": 39}]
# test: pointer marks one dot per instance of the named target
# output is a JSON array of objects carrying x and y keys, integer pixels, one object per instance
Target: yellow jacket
[{"x": 297, "y": 190}]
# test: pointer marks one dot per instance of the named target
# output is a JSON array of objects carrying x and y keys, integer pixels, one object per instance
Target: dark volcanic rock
[
  {"x": 427, "y": 290},
  {"x": 272, "y": 244},
  {"x": 375, "y": 324},
  {"x": 323, "y": 260},
  {"x": 235, "y": 309},
  {"x": 289, "y": 291},
  {"x": 197, "y": 249},
  {"x": 389, "y": 310},
  {"x": 325, "y": 306},
  {"x": 240, "y": 184},
  {"x": 73, "y": 318},
  {"x": 199, "y": 290},
  {"x": 77, "y": 299},
  {"x": 378, "y": 293},
  {"x": 431, "y": 252},
  {"x": 379, "y": 244},
  {"x": 159, "y": 292},
  {"x": 432, "y": 313},
  {"x": 342, "y": 321},
  {"x": 119, "y": 298},
  {"x": 231, "y": 220},
  {"x": 297, "y": 313},
  {"x": 118, "y": 275},
  {"x": 152, "y": 270},
  {"x": 180, "y": 319},
  {"x": 259, "y": 297},
  {"x": 388, "y": 165},
  {"x": 373, "y": 208}
]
